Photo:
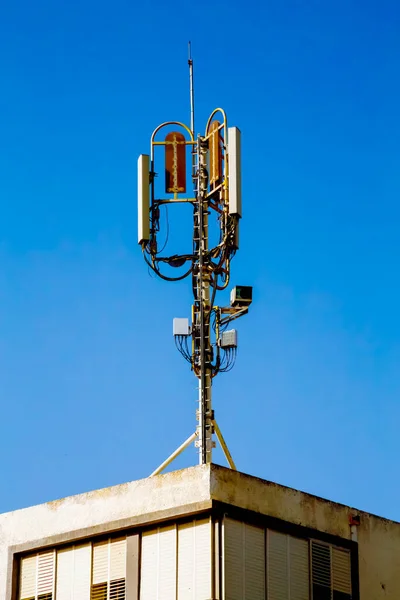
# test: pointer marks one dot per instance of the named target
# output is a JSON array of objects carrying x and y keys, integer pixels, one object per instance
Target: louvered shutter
[
  {"x": 341, "y": 571},
  {"x": 74, "y": 573},
  {"x": 100, "y": 562},
  {"x": 202, "y": 559},
  {"x": 65, "y": 574},
  {"x": 149, "y": 566},
  {"x": 117, "y": 559},
  {"x": 244, "y": 561},
  {"x": 45, "y": 580},
  {"x": 186, "y": 562},
  {"x": 254, "y": 563},
  {"x": 117, "y": 569},
  {"x": 331, "y": 572},
  {"x": 299, "y": 577},
  {"x": 194, "y": 560},
  {"x": 321, "y": 571},
  {"x": 233, "y": 559},
  {"x": 27, "y": 587},
  {"x": 82, "y": 572},
  {"x": 167, "y": 563},
  {"x": 277, "y": 569},
  {"x": 158, "y": 564},
  {"x": 176, "y": 562},
  {"x": 109, "y": 570},
  {"x": 37, "y": 576}
]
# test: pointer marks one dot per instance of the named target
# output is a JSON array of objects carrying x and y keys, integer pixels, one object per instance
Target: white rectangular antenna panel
[
  {"x": 143, "y": 199},
  {"x": 229, "y": 339},
  {"x": 181, "y": 327},
  {"x": 235, "y": 174}
]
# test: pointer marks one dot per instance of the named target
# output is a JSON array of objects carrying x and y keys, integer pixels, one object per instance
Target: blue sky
[{"x": 93, "y": 392}]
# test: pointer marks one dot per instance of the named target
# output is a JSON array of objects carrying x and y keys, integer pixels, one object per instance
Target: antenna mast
[
  {"x": 190, "y": 63},
  {"x": 216, "y": 174}
]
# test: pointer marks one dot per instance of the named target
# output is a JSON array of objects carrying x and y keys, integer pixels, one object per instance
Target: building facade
[{"x": 204, "y": 533}]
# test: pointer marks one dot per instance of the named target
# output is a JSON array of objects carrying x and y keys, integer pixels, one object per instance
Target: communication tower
[{"x": 215, "y": 171}]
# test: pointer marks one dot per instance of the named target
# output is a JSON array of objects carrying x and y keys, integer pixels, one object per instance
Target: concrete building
[{"x": 198, "y": 534}]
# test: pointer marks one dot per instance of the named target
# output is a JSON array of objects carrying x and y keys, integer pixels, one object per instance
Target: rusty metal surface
[
  {"x": 175, "y": 163},
  {"x": 215, "y": 150}
]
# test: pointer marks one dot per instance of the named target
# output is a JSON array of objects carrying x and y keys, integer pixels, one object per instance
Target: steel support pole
[{"x": 205, "y": 427}]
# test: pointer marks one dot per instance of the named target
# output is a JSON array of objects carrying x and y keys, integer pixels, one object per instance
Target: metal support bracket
[
  {"x": 233, "y": 313},
  {"x": 172, "y": 456},
  {"x": 224, "y": 446},
  {"x": 187, "y": 443}
]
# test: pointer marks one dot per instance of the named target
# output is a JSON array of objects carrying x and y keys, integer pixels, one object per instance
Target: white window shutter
[
  {"x": 109, "y": 569},
  {"x": 149, "y": 566},
  {"x": 117, "y": 559},
  {"x": 341, "y": 570},
  {"x": 167, "y": 563},
  {"x": 176, "y": 562},
  {"x": 74, "y": 573},
  {"x": 299, "y": 575},
  {"x": 28, "y": 575},
  {"x": 82, "y": 572},
  {"x": 244, "y": 552},
  {"x": 202, "y": 559},
  {"x": 254, "y": 563},
  {"x": 233, "y": 559},
  {"x": 65, "y": 574},
  {"x": 194, "y": 560},
  {"x": 186, "y": 562},
  {"x": 100, "y": 562},
  {"x": 46, "y": 568},
  {"x": 158, "y": 564},
  {"x": 37, "y": 575}
]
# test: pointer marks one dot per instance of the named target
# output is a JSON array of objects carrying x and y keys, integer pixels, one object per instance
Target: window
[
  {"x": 37, "y": 576},
  {"x": 262, "y": 564},
  {"x": 109, "y": 568},
  {"x": 74, "y": 573},
  {"x": 331, "y": 572},
  {"x": 244, "y": 558},
  {"x": 83, "y": 572},
  {"x": 176, "y": 562},
  {"x": 287, "y": 567},
  {"x": 166, "y": 563}
]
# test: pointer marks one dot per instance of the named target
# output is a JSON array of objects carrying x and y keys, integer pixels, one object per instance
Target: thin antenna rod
[{"x": 190, "y": 63}]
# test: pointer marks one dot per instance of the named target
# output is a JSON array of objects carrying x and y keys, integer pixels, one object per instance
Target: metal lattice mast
[
  {"x": 202, "y": 312},
  {"x": 216, "y": 178}
]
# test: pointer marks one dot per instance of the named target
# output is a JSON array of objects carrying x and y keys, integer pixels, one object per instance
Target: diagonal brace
[
  {"x": 224, "y": 446},
  {"x": 172, "y": 456}
]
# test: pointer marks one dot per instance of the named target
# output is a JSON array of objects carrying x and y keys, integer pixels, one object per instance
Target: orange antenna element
[
  {"x": 175, "y": 163},
  {"x": 215, "y": 146}
]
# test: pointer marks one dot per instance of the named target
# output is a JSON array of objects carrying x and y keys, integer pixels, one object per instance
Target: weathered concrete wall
[
  {"x": 378, "y": 539},
  {"x": 280, "y": 502},
  {"x": 146, "y": 500},
  {"x": 379, "y": 556}
]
